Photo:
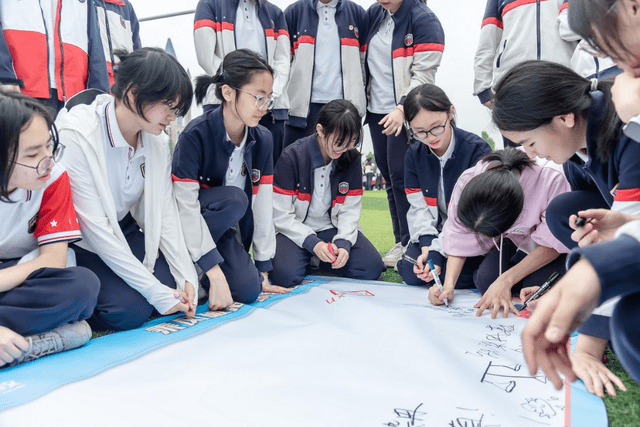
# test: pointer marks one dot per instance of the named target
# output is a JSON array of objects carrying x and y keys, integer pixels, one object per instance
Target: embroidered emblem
[
  {"x": 123, "y": 22},
  {"x": 255, "y": 175},
  {"x": 408, "y": 39},
  {"x": 33, "y": 222},
  {"x": 343, "y": 187},
  {"x": 356, "y": 32},
  {"x": 142, "y": 171}
]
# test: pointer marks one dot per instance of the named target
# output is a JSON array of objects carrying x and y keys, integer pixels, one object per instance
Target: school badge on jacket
[{"x": 343, "y": 187}]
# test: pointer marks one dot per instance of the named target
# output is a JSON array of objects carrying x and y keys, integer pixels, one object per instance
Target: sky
[{"x": 460, "y": 19}]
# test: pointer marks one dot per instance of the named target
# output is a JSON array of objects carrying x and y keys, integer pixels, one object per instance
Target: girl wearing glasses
[
  {"x": 41, "y": 301},
  {"x": 439, "y": 154},
  {"x": 498, "y": 211},
  {"x": 404, "y": 43},
  {"x": 119, "y": 161},
  {"x": 223, "y": 175},
  {"x": 317, "y": 202}
]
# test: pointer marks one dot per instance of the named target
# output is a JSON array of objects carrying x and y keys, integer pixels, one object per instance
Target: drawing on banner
[
  {"x": 342, "y": 294},
  {"x": 544, "y": 408},
  {"x": 407, "y": 417},
  {"x": 471, "y": 420},
  {"x": 452, "y": 310}
]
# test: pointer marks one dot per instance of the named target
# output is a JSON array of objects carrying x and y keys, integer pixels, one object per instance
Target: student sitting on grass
[
  {"x": 119, "y": 161},
  {"x": 439, "y": 154},
  {"x": 223, "y": 173},
  {"x": 317, "y": 202},
  {"x": 42, "y": 304},
  {"x": 498, "y": 209},
  {"x": 556, "y": 114}
]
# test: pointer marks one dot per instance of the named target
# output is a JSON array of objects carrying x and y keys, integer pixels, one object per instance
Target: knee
[
  {"x": 405, "y": 269},
  {"x": 558, "y": 213},
  {"x": 125, "y": 314},
  {"x": 285, "y": 276},
  {"x": 246, "y": 287}
]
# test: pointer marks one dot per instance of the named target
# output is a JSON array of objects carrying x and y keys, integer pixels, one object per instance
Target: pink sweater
[{"x": 540, "y": 185}]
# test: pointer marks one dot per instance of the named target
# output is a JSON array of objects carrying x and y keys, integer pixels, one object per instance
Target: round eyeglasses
[
  {"x": 45, "y": 164},
  {"x": 422, "y": 135},
  {"x": 261, "y": 100}
]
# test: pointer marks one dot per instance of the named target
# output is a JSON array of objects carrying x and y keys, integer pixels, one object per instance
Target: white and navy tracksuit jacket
[
  {"x": 119, "y": 29},
  {"x": 293, "y": 188},
  {"x": 24, "y": 52},
  {"x": 302, "y": 21},
  {"x": 417, "y": 45},
  {"x": 422, "y": 180},
  {"x": 201, "y": 161},
  {"x": 215, "y": 37},
  {"x": 518, "y": 30}
]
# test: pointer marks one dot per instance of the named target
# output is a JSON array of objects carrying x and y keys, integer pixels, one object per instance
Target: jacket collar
[
  {"x": 317, "y": 160},
  {"x": 216, "y": 124},
  {"x": 314, "y": 3}
]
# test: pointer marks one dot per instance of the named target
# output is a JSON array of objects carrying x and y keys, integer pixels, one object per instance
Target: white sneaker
[
  {"x": 394, "y": 255},
  {"x": 65, "y": 337}
]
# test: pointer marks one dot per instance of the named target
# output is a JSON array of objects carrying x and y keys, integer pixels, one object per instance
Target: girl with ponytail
[
  {"x": 223, "y": 175},
  {"x": 498, "y": 211}
]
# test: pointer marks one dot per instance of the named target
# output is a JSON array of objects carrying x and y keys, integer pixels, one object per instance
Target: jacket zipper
[
  {"x": 64, "y": 93},
  {"x": 46, "y": 34},
  {"x": 538, "y": 27}
]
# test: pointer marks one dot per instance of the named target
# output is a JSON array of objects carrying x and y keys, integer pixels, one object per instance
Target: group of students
[{"x": 219, "y": 213}]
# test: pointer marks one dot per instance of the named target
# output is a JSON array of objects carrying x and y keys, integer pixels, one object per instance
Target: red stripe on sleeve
[
  {"x": 627, "y": 195},
  {"x": 305, "y": 197},
  {"x": 206, "y": 23},
  {"x": 346, "y": 41},
  {"x": 283, "y": 191},
  {"x": 176, "y": 179},
  {"x": 431, "y": 201},
  {"x": 412, "y": 190},
  {"x": 266, "y": 179},
  {"x": 492, "y": 21},
  {"x": 429, "y": 47},
  {"x": 227, "y": 26},
  {"x": 304, "y": 39},
  {"x": 563, "y": 7},
  {"x": 515, "y": 4}
]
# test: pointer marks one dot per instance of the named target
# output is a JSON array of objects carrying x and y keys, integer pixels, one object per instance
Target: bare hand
[
  {"x": 341, "y": 260},
  {"x": 12, "y": 345},
  {"x": 525, "y": 293},
  {"x": 594, "y": 374},
  {"x": 422, "y": 269},
  {"x": 437, "y": 298},
  {"x": 625, "y": 94},
  {"x": 11, "y": 88},
  {"x": 489, "y": 104},
  {"x": 558, "y": 313},
  {"x": 219, "y": 292},
  {"x": 272, "y": 289},
  {"x": 602, "y": 225},
  {"x": 393, "y": 122},
  {"x": 322, "y": 251},
  {"x": 497, "y": 297}
]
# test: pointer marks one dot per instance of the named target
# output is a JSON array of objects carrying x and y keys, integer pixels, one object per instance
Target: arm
[
  {"x": 98, "y": 75},
  {"x": 454, "y": 268},
  {"x": 7, "y": 73},
  {"x": 499, "y": 293},
  {"x": 53, "y": 255},
  {"x": 563, "y": 23},
  {"x": 490, "y": 36},
  {"x": 264, "y": 234},
  {"x": 135, "y": 28},
  {"x": 204, "y": 37},
  {"x": 350, "y": 211},
  {"x": 281, "y": 56}
]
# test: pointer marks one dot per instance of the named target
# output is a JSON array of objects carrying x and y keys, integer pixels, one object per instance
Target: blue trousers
[
  {"x": 566, "y": 204},
  {"x": 389, "y": 152},
  {"x": 291, "y": 262},
  {"x": 625, "y": 333},
  {"x": 293, "y": 133},
  {"x": 120, "y": 307},
  {"x": 222, "y": 208},
  {"x": 50, "y": 297},
  {"x": 465, "y": 281}
]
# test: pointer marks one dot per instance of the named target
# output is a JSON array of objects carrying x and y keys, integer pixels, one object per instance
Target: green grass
[{"x": 623, "y": 410}]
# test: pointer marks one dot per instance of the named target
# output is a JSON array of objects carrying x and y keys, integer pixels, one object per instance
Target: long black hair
[
  {"x": 16, "y": 113},
  {"x": 532, "y": 93},
  {"x": 339, "y": 118},
  {"x": 237, "y": 69},
  {"x": 590, "y": 17},
  {"x": 426, "y": 97},
  {"x": 151, "y": 75},
  {"x": 492, "y": 201}
]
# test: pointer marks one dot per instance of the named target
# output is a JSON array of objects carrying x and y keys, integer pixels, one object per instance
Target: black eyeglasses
[
  {"x": 422, "y": 135},
  {"x": 45, "y": 163},
  {"x": 261, "y": 100}
]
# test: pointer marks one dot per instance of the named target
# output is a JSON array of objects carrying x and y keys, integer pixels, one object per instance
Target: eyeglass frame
[
  {"x": 258, "y": 98},
  {"x": 56, "y": 153},
  {"x": 414, "y": 135}
]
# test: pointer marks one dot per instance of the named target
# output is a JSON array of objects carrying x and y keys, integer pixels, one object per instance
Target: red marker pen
[{"x": 332, "y": 252}]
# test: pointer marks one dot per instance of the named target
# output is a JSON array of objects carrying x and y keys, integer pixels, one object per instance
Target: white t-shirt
[
  {"x": 318, "y": 214},
  {"x": 381, "y": 99},
  {"x": 327, "y": 73},
  {"x": 248, "y": 30},
  {"x": 236, "y": 175}
]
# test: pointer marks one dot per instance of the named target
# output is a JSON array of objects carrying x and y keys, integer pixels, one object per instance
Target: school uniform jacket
[
  {"x": 24, "y": 53},
  {"x": 302, "y": 21},
  {"x": 119, "y": 29},
  {"x": 84, "y": 133},
  {"x": 214, "y": 37},
  {"x": 518, "y": 30},
  {"x": 201, "y": 160},
  {"x": 293, "y": 189},
  {"x": 417, "y": 45},
  {"x": 618, "y": 179},
  {"x": 422, "y": 181},
  {"x": 540, "y": 185}
]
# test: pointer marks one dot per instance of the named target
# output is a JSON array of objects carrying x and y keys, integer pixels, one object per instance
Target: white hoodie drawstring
[{"x": 499, "y": 253}]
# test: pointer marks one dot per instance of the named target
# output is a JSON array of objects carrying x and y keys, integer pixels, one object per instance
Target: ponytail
[
  {"x": 531, "y": 94},
  {"x": 491, "y": 202}
]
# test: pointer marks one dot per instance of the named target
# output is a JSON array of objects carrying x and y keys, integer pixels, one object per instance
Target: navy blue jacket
[{"x": 422, "y": 179}]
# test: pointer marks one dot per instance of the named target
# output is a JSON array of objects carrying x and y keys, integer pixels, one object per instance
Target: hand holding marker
[
  {"x": 544, "y": 288},
  {"x": 436, "y": 278}
]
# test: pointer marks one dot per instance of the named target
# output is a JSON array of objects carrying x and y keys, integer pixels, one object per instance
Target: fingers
[
  {"x": 273, "y": 289},
  {"x": 434, "y": 294},
  {"x": 341, "y": 260},
  {"x": 592, "y": 236},
  {"x": 527, "y": 292}
]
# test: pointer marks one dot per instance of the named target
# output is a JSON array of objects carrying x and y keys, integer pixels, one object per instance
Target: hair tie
[
  {"x": 594, "y": 85},
  {"x": 507, "y": 167}
]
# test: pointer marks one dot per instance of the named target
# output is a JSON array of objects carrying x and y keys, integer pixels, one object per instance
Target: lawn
[{"x": 624, "y": 410}]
